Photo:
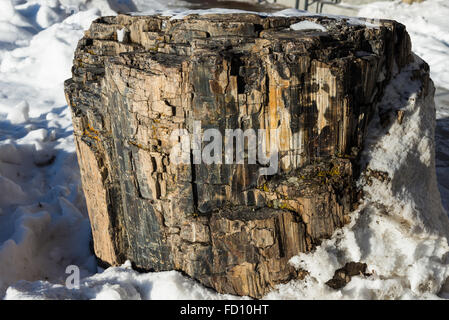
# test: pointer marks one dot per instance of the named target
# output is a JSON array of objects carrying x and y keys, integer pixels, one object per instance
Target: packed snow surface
[
  {"x": 400, "y": 230},
  {"x": 307, "y": 25},
  {"x": 119, "y": 283},
  {"x": 428, "y": 26}
]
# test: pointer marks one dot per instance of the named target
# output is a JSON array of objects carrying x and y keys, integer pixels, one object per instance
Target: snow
[
  {"x": 370, "y": 23},
  {"x": 121, "y": 34},
  {"x": 400, "y": 230},
  {"x": 7, "y": 10},
  {"x": 20, "y": 113},
  {"x": 118, "y": 283},
  {"x": 149, "y": 5},
  {"x": 307, "y": 25},
  {"x": 428, "y": 25},
  {"x": 43, "y": 220}
]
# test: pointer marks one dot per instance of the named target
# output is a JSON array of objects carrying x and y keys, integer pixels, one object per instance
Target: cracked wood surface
[{"x": 221, "y": 224}]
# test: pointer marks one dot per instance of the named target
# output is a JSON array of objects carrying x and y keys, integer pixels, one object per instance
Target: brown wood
[{"x": 224, "y": 224}]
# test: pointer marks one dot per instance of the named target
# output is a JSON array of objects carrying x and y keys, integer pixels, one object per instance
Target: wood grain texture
[{"x": 224, "y": 224}]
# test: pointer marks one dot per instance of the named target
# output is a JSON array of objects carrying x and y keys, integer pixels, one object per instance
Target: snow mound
[
  {"x": 43, "y": 220},
  {"x": 400, "y": 230},
  {"x": 428, "y": 27},
  {"x": 118, "y": 283},
  {"x": 7, "y": 9},
  {"x": 305, "y": 25}
]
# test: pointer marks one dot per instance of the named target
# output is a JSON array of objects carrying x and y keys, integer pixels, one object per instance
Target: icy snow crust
[{"x": 400, "y": 230}]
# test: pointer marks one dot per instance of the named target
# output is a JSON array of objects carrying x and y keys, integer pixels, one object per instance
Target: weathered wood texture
[
  {"x": 223, "y": 224},
  {"x": 412, "y": 1}
]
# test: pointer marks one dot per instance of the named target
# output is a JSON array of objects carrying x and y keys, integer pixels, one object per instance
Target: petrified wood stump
[{"x": 137, "y": 79}]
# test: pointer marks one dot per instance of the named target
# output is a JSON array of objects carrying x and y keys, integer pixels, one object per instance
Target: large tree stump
[{"x": 226, "y": 225}]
